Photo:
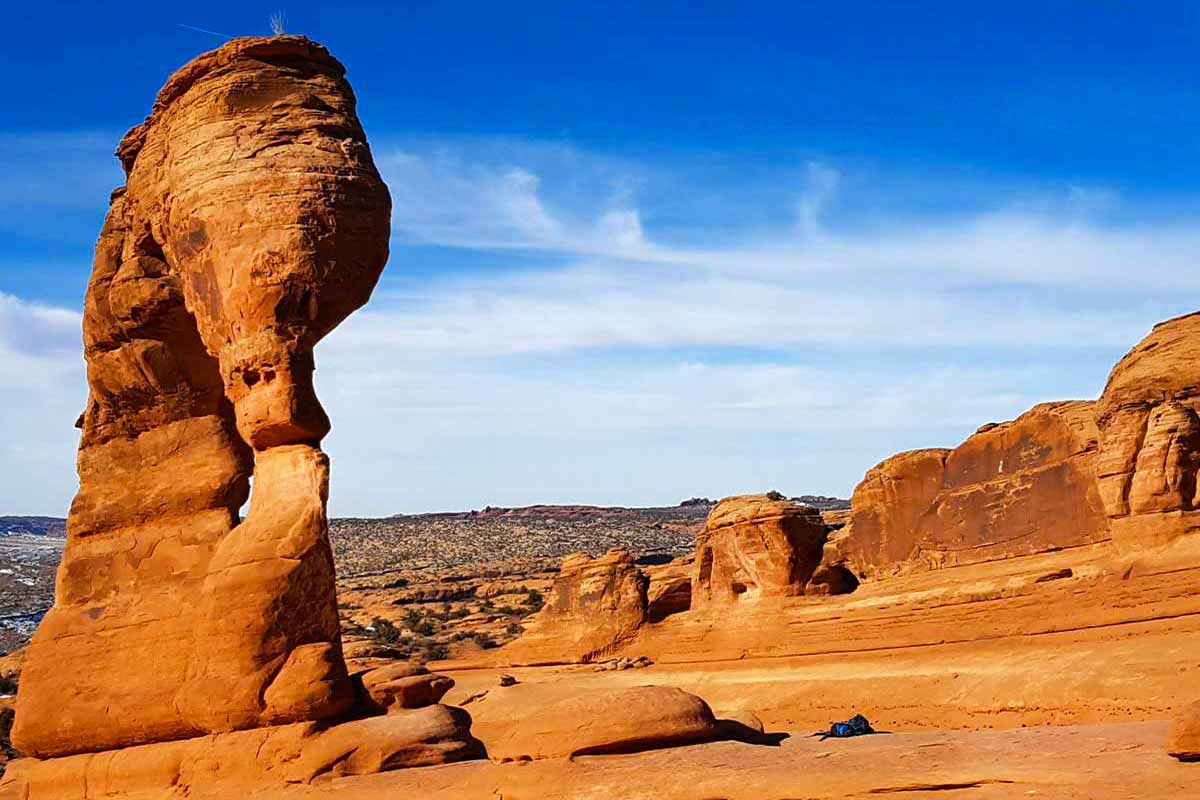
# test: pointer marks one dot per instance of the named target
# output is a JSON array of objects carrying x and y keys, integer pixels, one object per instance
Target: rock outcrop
[
  {"x": 1014, "y": 488},
  {"x": 401, "y": 686},
  {"x": 1150, "y": 437},
  {"x": 252, "y": 222},
  {"x": 670, "y": 589},
  {"x": 251, "y": 761},
  {"x": 532, "y": 722},
  {"x": 1184, "y": 743},
  {"x": 594, "y": 605},
  {"x": 754, "y": 547}
]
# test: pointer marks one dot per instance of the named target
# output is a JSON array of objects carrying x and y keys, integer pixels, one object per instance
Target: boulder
[
  {"x": 530, "y": 722},
  {"x": 754, "y": 547},
  {"x": 252, "y": 222},
  {"x": 1150, "y": 437},
  {"x": 1184, "y": 742},
  {"x": 402, "y": 685}
]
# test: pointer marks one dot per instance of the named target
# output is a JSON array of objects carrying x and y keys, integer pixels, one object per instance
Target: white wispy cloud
[
  {"x": 649, "y": 337},
  {"x": 42, "y": 391}
]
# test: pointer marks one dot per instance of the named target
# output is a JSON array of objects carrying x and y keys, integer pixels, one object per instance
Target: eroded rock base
[{"x": 246, "y": 762}]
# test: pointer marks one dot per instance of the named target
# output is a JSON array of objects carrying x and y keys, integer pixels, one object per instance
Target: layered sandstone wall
[
  {"x": 1012, "y": 489},
  {"x": 1150, "y": 437}
]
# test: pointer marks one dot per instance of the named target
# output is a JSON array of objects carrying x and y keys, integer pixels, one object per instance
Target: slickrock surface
[
  {"x": 1095, "y": 762},
  {"x": 1110, "y": 762},
  {"x": 754, "y": 547},
  {"x": 253, "y": 220},
  {"x": 246, "y": 762}
]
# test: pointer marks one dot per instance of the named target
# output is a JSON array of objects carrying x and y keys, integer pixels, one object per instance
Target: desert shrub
[
  {"x": 776, "y": 496},
  {"x": 386, "y": 630},
  {"x": 487, "y": 605},
  {"x": 514, "y": 629},
  {"x": 6, "y": 748},
  {"x": 8, "y": 684},
  {"x": 507, "y": 611},
  {"x": 436, "y": 651},
  {"x": 485, "y": 641},
  {"x": 534, "y": 600}
]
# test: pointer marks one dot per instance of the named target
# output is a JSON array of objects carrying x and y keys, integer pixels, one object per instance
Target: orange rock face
[
  {"x": 247, "y": 762},
  {"x": 594, "y": 606},
  {"x": 535, "y": 722},
  {"x": 1150, "y": 437},
  {"x": 753, "y": 547},
  {"x": 1184, "y": 743},
  {"x": 1011, "y": 489},
  {"x": 252, "y": 222}
]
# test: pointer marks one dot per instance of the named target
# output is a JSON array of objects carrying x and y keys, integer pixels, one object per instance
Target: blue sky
[{"x": 646, "y": 251}]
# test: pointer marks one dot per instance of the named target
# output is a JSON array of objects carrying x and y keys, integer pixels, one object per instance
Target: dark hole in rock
[{"x": 676, "y": 599}]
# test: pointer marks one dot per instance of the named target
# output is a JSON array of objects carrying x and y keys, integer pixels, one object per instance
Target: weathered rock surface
[
  {"x": 252, "y": 222},
  {"x": 595, "y": 604},
  {"x": 245, "y": 762},
  {"x": 1184, "y": 742},
  {"x": 754, "y": 547},
  {"x": 403, "y": 685},
  {"x": 533, "y": 722},
  {"x": 1011, "y": 489},
  {"x": 1150, "y": 437},
  {"x": 670, "y": 590}
]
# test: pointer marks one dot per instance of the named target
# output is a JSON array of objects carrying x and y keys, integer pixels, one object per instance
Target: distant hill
[
  {"x": 823, "y": 503},
  {"x": 35, "y": 526}
]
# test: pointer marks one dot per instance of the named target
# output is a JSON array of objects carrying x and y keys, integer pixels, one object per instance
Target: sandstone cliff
[
  {"x": 1014, "y": 488},
  {"x": 1150, "y": 437}
]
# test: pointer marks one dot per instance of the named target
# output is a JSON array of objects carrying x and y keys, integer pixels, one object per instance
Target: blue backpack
[{"x": 858, "y": 725}]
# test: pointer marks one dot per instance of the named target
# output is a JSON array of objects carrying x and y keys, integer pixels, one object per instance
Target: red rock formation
[
  {"x": 1150, "y": 437},
  {"x": 402, "y": 685},
  {"x": 885, "y": 511},
  {"x": 1011, "y": 489},
  {"x": 249, "y": 762},
  {"x": 542, "y": 721},
  {"x": 1184, "y": 743},
  {"x": 670, "y": 590},
  {"x": 252, "y": 222},
  {"x": 754, "y": 547},
  {"x": 594, "y": 605}
]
